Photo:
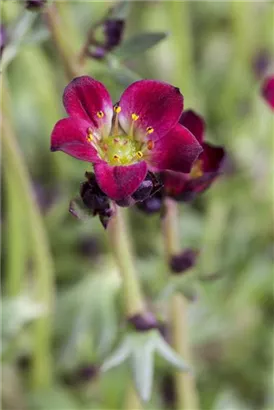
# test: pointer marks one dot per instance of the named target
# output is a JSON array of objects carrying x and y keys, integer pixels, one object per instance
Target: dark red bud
[
  {"x": 184, "y": 261},
  {"x": 143, "y": 322}
]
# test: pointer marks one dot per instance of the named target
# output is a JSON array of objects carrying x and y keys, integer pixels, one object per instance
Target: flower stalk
[
  {"x": 121, "y": 247},
  {"x": 41, "y": 371},
  {"x": 185, "y": 384}
]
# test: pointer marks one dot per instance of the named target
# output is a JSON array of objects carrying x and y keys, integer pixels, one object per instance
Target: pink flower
[
  {"x": 268, "y": 91},
  {"x": 205, "y": 169},
  {"x": 123, "y": 142}
]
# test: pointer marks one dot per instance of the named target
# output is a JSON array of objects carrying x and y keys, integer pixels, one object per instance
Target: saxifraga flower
[
  {"x": 139, "y": 134},
  {"x": 205, "y": 169}
]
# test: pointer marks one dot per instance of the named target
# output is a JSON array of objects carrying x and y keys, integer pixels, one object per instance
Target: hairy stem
[
  {"x": 41, "y": 370},
  {"x": 185, "y": 384},
  {"x": 122, "y": 250}
]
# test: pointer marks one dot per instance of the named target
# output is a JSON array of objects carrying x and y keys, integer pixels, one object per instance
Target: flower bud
[
  {"x": 183, "y": 261},
  {"x": 35, "y": 5},
  {"x": 143, "y": 321},
  {"x": 113, "y": 30}
]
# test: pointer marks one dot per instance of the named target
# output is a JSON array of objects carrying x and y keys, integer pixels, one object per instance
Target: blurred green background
[{"x": 216, "y": 52}]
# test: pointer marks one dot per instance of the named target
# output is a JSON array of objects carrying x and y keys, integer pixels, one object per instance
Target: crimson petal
[
  {"x": 212, "y": 157},
  {"x": 268, "y": 91},
  {"x": 176, "y": 151},
  {"x": 119, "y": 182},
  {"x": 194, "y": 123},
  {"x": 70, "y": 136},
  {"x": 84, "y": 97},
  {"x": 158, "y": 105}
]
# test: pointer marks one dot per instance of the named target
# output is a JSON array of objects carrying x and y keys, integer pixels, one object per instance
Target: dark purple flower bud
[
  {"x": 92, "y": 195},
  {"x": 184, "y": 261},
  {"x": 143, "y": 322},
  {"x": 113, "y": 30},
  {"x": 126, "y": 202},
  {"x": 95, "y": 199},
  {"x": 81, "y": 375},
  {"x": 144, "y": 191},
  {"x": 3, "y": 38},
  {"x": 35, "y": 4},
  {"x": 151, "y": 205}
]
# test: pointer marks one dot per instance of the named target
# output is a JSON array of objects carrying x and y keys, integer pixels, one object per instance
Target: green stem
[
  {"x": 132, "y": 400},
  {"x": 15, "y": 237},
  {"x": 187, "y": 398},
  {"x": 122, "y": 250},
  {"x": 41, "y": 371},
  {"x": 180, "y": 26},
  {"x": 61, "y": 41}
]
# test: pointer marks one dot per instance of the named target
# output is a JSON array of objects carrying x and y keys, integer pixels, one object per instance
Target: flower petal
[
  {"x": 176, "y": 151},
  {"x": 119, "y": 182},
  {"x": 212, "y": 158},
  {"x": 268, "y": 91},
  {"x": 84, "y": 98},
  {"x": 158, "y": 105},
  {"x": 70, "y": 136},
  {"x": 194, "y": 123}
]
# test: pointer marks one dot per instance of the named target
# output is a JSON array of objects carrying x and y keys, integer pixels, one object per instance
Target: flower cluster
[{"x": 128, "y": 142}]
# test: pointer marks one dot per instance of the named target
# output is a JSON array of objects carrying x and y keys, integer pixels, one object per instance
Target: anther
[
  {"x": 89, "y": 135},
  {"x": 116, "y": 157},
  {"x": 140, "y": 154},
  {"x": 150, "y": 130},
  {"x": 134, "y": 117},
  {"x": 150, "y": 145},
  {"x": 117, "y": 109},
  {"x": 116, "y": 140},
  {"x": 100, "y": 114}
]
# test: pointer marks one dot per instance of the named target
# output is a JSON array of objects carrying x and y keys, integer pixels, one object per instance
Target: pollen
[
  {"x": 134, "y": 117},
  {"x": 150, "y": 130},
  {"x": 117, "y": 109},
  {"x": 116, "y": 158},
  {"x": 150, "y": 145},
  {"x": 89, "y": 136},
  {"x": 100, "y": 114},
  {"x": 196, "y": 170},
  {"x": 140, "y": 154}
]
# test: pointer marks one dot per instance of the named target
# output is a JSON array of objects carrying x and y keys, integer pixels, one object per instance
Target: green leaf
[
  {"x": 119, "y": 356},
  {"x": 138, "y": 44},
  {"x": 170, "y": 355},
  {"x": 142, "y": 363},
  {"x": 16, "y": 313},
  {"x": 120, "y": 11},
  {"x": 16, "y": 37}
]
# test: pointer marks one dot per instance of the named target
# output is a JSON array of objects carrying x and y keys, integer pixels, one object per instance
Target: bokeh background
[{"x": 61, "y": 301}]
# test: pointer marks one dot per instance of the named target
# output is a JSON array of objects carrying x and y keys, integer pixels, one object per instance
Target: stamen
[
  {"x": 100, "y": 114},
  {"x": 134, "y": 117},
  {"x": 150, "y": 145},
  {"x": 140, "y": 154},
  {"x": 117, "y": 108},
  {"x": 150, "y": 130},
  {"x": 197, "y": 169},
  {"x": 90, "y": 135},
  {"x": 116, "y": 157}
]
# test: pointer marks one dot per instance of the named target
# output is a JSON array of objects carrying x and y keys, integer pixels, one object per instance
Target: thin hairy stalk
[
  {"x": 185, "y": 384},
  {"x": 41, "y": 370},
  {"x": 122, "y": 250}
]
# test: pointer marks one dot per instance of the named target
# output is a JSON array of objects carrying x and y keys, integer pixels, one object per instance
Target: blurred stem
[
  {"x": 15, "y": 233},
  {"x": 61, "y": 41},
  {"x": 122, "y": 250},
  {"x": 180, "y": 26},
  {"x": 132, "y": 400},
  {"x": 185, "y": 384},
  {"x": 42, "y": 262}
]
